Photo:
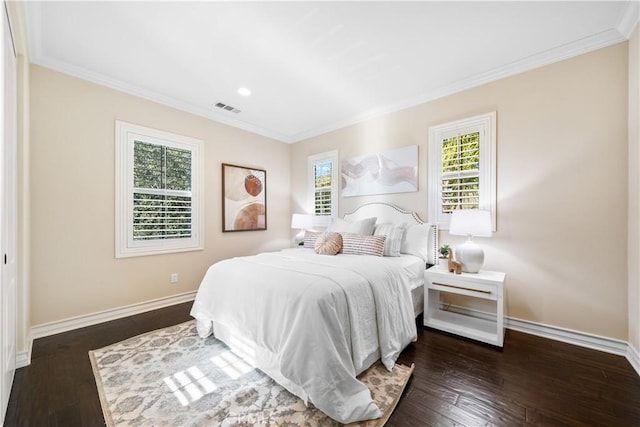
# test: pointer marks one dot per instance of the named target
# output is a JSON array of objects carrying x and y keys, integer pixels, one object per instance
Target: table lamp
[
  {"x": 470, "y": 222},
  {"x": 301, "y": 222}
]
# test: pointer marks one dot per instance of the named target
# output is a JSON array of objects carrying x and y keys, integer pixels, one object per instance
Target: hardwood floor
[{"x": 533, "y": 381}]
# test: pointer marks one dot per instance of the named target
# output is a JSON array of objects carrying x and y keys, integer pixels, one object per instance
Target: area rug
[{"x": 172, "y": 377}]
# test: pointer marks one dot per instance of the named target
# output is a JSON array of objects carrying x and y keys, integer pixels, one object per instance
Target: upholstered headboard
[{"x": 387, "y": 212}]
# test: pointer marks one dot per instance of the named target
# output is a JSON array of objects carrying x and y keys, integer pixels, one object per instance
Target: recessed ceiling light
[{"x": 244, "y": 91}]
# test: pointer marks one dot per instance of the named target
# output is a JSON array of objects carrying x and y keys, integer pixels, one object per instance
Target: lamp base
[
  {"x": 470, "y": 255},
  {"x": 298, "y": 240}
]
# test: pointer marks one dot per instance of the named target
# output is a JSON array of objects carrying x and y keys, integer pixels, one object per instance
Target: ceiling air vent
[{"x": 226, "y": 107}]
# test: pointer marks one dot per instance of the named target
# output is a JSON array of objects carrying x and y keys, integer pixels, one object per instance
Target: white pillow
[
  {"x": 394, "y": 235},
  {"x": 364, "y": 226},
  {"x": 416, "y": 241}
]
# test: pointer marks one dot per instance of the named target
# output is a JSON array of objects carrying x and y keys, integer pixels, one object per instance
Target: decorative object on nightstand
[
  {"x": 454, "y": 266},
  {"x": 470, "y": 222},
  {"x": 300, "y": 222},
  {"x": 443, "y": 258}
]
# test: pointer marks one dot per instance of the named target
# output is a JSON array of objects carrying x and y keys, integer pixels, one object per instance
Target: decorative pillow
[
  {"x": 416, "y": 241},
  {"x": 363, "y": 226},
  {"x": 394, "y": 234},
  {"x": 310, "y": 238},
  {"x": 357, "y": 244},
  {"x": 328, "y": 243}
]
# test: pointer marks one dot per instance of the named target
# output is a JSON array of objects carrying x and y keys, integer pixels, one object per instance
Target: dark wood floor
[{"x": 533, "y": 381}]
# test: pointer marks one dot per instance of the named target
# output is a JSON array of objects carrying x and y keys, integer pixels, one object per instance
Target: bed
[
  {"x": 389, "y": 213},
  {"x": 314, "y": 322}
]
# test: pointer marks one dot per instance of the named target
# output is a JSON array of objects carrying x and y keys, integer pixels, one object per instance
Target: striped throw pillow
[
  {"x": 357, "y": 244},
  {"x": 310, "y": 238}
]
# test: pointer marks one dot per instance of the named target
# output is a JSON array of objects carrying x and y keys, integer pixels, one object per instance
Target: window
[
  {"x": 158, "y": 192},
  {"x": 323, "y": 187},
  {"x": 462, "y": 167}
]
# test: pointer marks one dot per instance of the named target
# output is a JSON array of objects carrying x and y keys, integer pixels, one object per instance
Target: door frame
[{"x": 8, "y": 215}]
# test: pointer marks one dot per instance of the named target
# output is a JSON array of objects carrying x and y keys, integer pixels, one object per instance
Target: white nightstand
[{"x": 487, "y": 285}]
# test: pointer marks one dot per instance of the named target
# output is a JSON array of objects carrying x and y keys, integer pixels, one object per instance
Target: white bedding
[
  {"x": 309, "y": 321},
  {"x": 414, "y": 268}
]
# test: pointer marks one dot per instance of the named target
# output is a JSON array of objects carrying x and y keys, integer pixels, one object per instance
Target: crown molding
[
  {"x": 548, "y": 57},
  {"x": 17, "y": 22},
  {"x": 626, "y": 24},
  {"x": 154, "y": 96},
  {"x": 34, "y": 25},
  {"x": 629, "y": 18}
]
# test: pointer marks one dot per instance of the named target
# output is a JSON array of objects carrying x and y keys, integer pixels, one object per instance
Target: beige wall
[
  {"x": 634, "y": 191},
  {"x": 562, "y": 184},
  {"x": 73, "y": 268}
]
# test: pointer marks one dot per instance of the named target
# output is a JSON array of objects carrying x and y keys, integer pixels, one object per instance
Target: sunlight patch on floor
[
  {"x": 189, "y": 385},
  {"x": 231, "y": 365},
  {"x": 244, "y": 348}
]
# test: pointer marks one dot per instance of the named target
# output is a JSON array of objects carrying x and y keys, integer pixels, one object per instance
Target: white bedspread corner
[{"x": 312, "y": 318}]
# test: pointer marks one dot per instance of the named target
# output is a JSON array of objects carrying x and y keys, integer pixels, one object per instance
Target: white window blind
[
  {"x": 323, "y": 187},
  {"x": 161, "y": 192},
  {"x": 322, "y": 173},
  {"x": 462, "y": 167},
  {"x": 158, "y": 192},
  {"x": 460, "y": 177}
]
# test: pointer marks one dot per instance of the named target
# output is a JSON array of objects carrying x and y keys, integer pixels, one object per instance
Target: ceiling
[{"x": 312, "y": 67}]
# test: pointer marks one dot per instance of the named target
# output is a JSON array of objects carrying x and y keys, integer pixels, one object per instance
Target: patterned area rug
[{"x": 171, "y": 377}]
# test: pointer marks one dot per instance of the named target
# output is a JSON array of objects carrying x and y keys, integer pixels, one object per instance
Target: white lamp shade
[
  {"x": 301, "y": 221},
  {"x": 470, "y": 222}
]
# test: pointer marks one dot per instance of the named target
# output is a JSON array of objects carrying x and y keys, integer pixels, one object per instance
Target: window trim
[
  {"x": 125, "y": 136},
  {"x": 322, "y": 220},
  {"x": 486, "y": 124}
]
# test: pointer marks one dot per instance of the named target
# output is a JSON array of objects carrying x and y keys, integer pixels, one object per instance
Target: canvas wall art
[
  {"x": 244, "y": 198},
  {"x": 391, "y": 171}
]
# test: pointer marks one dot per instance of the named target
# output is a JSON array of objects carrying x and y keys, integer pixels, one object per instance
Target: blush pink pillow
[{"x": 328, "y": 243}]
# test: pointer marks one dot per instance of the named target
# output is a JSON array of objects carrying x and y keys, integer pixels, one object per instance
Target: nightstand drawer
[{"x": 469, "y": 289}]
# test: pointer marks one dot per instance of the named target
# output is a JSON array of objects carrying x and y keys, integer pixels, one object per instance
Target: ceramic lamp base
[{"x": 470, "y": 255}]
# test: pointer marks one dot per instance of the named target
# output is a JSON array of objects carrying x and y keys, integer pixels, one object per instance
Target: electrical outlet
[{"x": 174, "y": 278}]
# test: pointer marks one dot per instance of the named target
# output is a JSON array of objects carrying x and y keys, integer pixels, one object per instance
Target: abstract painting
[
  {"x": 392, "y": 171},
  {"x": 244, "y": 198}
]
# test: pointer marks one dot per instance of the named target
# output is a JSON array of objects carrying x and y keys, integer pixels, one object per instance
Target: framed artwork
[
  {"x": 391, "y": 171},
  {"x": 244, "y": 198}
]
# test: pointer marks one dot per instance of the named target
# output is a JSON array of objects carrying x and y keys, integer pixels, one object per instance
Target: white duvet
[{"x": 311, "y": 321}]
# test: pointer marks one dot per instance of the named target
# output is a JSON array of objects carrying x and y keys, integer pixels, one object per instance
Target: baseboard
[
  {"x": 23, "y": 358},
  {"x": 634, "y": 358},
  {"x": 59, "y": 326},
  {"x": 582, "y": 339}
]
